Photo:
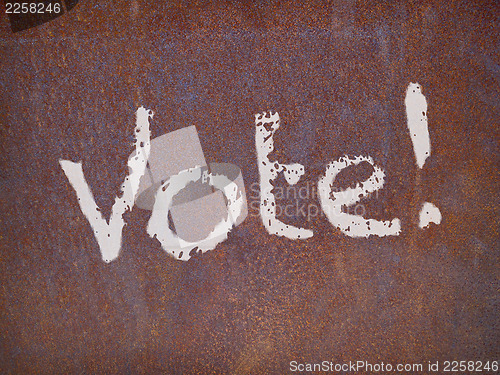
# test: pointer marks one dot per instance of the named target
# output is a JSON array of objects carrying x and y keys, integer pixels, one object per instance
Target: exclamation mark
[{"x": 416, "y": 112}]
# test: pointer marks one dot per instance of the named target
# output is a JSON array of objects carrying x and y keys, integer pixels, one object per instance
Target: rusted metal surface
[{"x": 337, "y": 73}]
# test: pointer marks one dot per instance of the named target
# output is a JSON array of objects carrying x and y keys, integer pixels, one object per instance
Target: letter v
[{"x": 109, "y": 235}]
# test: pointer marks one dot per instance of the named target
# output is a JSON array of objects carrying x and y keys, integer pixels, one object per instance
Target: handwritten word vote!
[{"x": 108, "y": 233}]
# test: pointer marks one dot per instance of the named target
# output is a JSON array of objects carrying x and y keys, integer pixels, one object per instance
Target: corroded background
[{"x": 337, "y": 72}]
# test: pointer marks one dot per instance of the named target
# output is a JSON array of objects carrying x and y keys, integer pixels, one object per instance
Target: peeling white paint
[
  {"x": 109, "y": 235},
  {"x": 268, "y": 172},
  {"x": 416, "y": 112},
  {"x": 429, "y": 214},
  {"x": 349, "y": 224},
  {"x": 158, "y": 223}
]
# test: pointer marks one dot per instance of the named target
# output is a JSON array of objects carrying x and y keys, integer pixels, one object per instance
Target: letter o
[{"x": 169, "y": 241}]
